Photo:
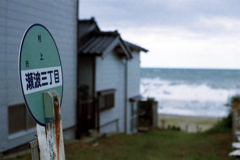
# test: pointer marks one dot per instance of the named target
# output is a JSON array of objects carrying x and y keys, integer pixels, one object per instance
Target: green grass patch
[
  {"x": 223, "y": 126},
  {"x": 154, "y": 145}
]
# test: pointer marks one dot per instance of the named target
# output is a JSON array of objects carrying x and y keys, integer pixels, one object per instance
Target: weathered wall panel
[
  {"x": 134, "y": 75},
  {"x": 3, "y": 84},
  {"x": 111, "y": 74},
  {"x": 133, "y": 84},
  {"x": 60, "y": 18}
]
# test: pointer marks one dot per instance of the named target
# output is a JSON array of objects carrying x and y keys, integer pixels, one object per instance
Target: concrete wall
[
  {"x": 60, "y": 17},
  {"x": 110, "y": 74}
]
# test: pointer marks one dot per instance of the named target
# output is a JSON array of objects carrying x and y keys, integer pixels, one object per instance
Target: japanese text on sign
[{"x": 40, "y": 79}]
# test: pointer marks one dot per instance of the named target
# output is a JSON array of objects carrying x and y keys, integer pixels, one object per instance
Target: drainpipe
[
  {"x": 77, "y": 47},
  {"x": 95, "y": 103},
  {"x": 94, "y": 77},
  {"x": 126, "y": 96},
  {"x": 78, "y": 131}
]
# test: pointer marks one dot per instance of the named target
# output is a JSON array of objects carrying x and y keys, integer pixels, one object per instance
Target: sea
[{"x": 191, "y": 92}]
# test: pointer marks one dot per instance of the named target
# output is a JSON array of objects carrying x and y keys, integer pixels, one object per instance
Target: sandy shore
[{"x": 190, "y": 124}]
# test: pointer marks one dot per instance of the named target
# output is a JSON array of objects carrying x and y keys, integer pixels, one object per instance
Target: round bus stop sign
[{"x": 40, "y": 69}]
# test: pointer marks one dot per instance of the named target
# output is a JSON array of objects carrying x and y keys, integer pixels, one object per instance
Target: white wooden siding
[
  {"x": 133, "y": 84},
  {"x": 3, "y": 72},
  {"x": 60, "y": 17},
  {"x": 134, "y": 75},
  {"x": 110, "y": 73}
]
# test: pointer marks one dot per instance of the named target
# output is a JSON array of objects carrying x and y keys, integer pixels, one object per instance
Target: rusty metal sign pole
[{"x": 50, "y": 137}]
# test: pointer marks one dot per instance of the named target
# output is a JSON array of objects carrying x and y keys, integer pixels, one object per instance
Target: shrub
[
  {"x": 235, "y": 102},
  {"x": 235, "y": 99},
  {"x": 223, "y": 126},
  {"x": 173, "y": 128}
]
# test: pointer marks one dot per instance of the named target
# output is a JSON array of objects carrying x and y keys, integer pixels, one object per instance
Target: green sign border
[{"x": 26, "y": 97}]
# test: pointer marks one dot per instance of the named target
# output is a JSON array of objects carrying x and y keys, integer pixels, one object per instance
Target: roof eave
[
  {"x": 120, "y": 42},
  {"x": 136, "y": 47}
]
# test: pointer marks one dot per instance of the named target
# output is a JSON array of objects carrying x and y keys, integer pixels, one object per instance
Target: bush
[
  {"x": 235, "y": 100},
  {"x": 223, "y": 126},
  {"x": 173, "y": 128}
]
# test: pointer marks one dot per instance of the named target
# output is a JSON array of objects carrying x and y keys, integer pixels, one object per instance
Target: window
[
  {"x": 19, "y": 119},
  {"x": 106, "y": 99}
]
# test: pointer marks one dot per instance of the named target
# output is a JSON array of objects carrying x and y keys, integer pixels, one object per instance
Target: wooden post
[
  {"x": 34, "y": 150},
  {"x": 234, "y": 124},
  {"x": 50, "y": 137}
]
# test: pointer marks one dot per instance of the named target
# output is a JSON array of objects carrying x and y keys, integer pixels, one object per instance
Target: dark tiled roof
[
  {"x": 101, "y": 43},
  {"x": 85, "y": 29},
  {"x": 92, "y": 41},
  {"x": 97, "y": 44},
  {"x": 87, "y": 26},
  {"x": 136, "y": 47}
]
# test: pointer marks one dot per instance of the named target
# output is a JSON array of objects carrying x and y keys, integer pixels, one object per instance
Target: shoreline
[{"x": 189, "y": 124}]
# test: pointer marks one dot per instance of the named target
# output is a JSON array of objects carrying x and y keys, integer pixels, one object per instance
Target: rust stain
[{"x": 57, "y": 125}]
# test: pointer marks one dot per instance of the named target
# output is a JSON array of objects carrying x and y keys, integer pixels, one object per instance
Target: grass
[
  {"x": 154, "y": 145},
  {"x": 223, "y": 126}
]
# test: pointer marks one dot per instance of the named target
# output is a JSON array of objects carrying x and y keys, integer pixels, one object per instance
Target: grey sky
[{"x": 178, "y": 33}]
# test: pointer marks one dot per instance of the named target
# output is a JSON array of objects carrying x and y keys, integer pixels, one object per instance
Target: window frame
[
  {"x": 106, "y": 98},
  {"x": 27, "y": 122}
]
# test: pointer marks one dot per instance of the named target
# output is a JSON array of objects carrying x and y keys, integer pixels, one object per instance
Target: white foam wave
[
  {"x": 161, "y": 89},
  {"x": 186, "y": 99}
]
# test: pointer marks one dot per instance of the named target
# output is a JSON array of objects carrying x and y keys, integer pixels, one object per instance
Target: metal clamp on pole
[{"x": 50, "y": 141}]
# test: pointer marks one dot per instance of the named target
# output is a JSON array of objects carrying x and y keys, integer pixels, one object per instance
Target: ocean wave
[
  {"x": 188, "y": 99},
  {"x": 193, "y": 108},
  {"x": 162, "y": 89}
]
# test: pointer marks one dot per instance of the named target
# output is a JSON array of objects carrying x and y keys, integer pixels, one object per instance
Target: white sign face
[{"x": 36, "y": 80}]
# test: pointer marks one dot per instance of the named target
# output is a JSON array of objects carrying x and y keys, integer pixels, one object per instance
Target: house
[
  {"x": 101, "y": 74},
  {"x": 108, "y": 80},
  {"x": 60, "y": 18}
]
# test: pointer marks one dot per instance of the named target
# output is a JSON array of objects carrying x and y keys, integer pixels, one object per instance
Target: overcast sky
[{"x": 177, "y": 33}]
